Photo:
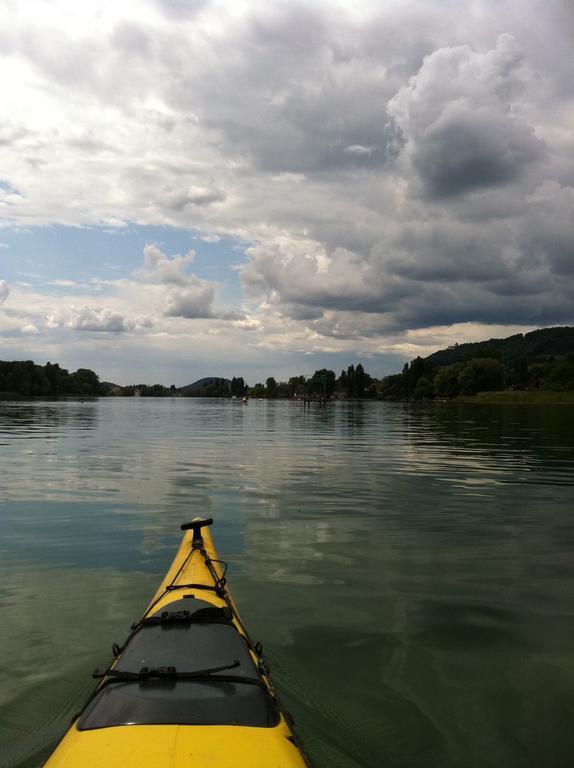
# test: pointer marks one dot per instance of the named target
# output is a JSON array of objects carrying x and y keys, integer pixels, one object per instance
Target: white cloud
[
  {"x": 63, "y": 283},
  {"x": 97, "y": 319},
  {"x": 30, "y": 329},
  {"x": 195, "y": 196},
  {"x": 4, "y": 291},
  {"x": 186, "y": 295},
  {"x": 194, "y": 301},
  {"x": 392, "y": 166},
  {"x": 163, "y": 269}
]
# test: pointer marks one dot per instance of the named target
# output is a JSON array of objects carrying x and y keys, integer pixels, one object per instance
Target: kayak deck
[{"x": 188, "y": 687}]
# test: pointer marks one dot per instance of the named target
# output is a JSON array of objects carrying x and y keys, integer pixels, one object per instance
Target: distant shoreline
[
  {"x": 518, "y": 397},
  {"x": 503, "y": 397}
]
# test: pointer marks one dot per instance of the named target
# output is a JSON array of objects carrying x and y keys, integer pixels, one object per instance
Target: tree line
[
  {"x": 354, "y": 382},
  {"x": 422, "y": 379},
  {"x": 542, "y": 359},
  {"x": 24, "y": 377},
  {"x": 30, "y": 380}
]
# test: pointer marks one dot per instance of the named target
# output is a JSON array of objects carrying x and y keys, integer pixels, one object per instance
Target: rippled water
[{"x": 410, "y": 569}]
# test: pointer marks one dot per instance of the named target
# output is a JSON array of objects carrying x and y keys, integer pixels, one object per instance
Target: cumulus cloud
[
  {"x": 456, "y": 121},
  {"x": 193, "y": 301},
  {"x": 163, "y": 269},
  {"x": 463, "y": 154},
  {"x": 186, "y": 295},
  {"x": 466, "y": 150},
  {"x": 390, "y": 166},
  {"x": 96, "y": 319}
]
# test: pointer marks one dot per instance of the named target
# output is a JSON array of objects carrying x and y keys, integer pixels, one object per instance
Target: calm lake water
[{"x": 409, "y": 569}]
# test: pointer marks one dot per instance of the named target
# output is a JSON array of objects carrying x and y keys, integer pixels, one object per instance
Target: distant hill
[
  {"x": 536, "y": 346},
  {"x": 205, "y": 382},
  {"x": 539, "y": 360}
]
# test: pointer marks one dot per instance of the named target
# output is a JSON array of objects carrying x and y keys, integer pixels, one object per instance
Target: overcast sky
[{"x": 199, "y": 187}]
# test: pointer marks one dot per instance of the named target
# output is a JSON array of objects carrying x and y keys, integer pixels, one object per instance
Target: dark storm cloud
[
  {"x": 466, "y": 150},
  {"x": 548, "y": 233},
  {"x": 448, "y": 304},
  {"x": 457, "y": 123},
  {"x": 472, "y": 239}
]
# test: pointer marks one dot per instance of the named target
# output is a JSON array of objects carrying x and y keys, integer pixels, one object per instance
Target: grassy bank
[{"x": 533, "y": 397}]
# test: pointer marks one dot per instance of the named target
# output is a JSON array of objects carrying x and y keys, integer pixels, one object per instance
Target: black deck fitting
[{"x": 196, "y": 526}]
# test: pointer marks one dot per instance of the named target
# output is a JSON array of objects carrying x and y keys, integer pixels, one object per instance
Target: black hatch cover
[{"x": 183, "y": 646}]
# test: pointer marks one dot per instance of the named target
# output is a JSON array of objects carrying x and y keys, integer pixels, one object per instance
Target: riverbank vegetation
[
  {"x": 520, "y": 397},
  {"x": 521, "y": 368},
  {"x": 25, "y": 378},
  {"x": 352, "y": 382},
  {"x": 541, "y": 361}
]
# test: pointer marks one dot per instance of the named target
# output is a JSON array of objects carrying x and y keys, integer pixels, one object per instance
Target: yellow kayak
[{"x": 188, "y": 687}]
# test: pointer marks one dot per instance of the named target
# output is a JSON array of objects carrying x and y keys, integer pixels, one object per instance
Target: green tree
[
  {"x": 351, "y": 381},
  {"x": 283, "y": 390},
  {"x": 294, "y": 383},
  {"x": 238, "y": 386},
  {"x": 57, "y": 378},
  {"x": 560, "y": 375},
  {"x": 481, "y": 350},
  {"x": 520, "y": 371},
  {"x": 257, "y": 391},
  {"x": 360, "y": 381},
  {"x": 392, "y": 387},
  {"x": 323, "y": 382},
  {"x": 424, "y": 389},
  {"x": 416, "y": 371},
  {"x": 271, "y": 387},
  {"x": 479, "y": 375},
  {"x": 153, "y": 390},
  {"x": 446, "y": 380},
  {"x": 363, "y": 381},
  {"x": 83, "y": 382}
]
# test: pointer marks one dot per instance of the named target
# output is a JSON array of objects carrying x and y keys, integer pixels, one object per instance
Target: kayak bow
[{"x": 188, "y": 687}]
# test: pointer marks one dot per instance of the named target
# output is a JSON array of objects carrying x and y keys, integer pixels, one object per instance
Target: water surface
[{"x": 409, "y": 569}]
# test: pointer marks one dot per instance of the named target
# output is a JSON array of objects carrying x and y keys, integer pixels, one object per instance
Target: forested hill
[
  {"x": 542, "y": 359},
  {"x": 535, "y": 346}
]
